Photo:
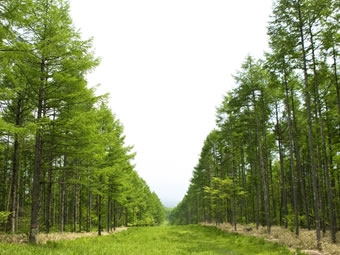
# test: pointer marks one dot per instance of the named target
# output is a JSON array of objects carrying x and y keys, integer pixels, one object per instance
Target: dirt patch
[
  {"x": 305, "y": 241},
  {"x": 312, "y": 252},
  {"x": 13, "y": 238}
]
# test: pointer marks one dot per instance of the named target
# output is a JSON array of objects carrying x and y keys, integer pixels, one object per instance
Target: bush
[{"x": 4, "y": 216}]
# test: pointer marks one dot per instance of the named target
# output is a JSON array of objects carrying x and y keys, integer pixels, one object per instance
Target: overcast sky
[{"x": 167, "y": 65}]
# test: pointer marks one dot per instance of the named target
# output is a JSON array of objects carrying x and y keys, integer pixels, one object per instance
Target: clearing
[{"x": 169, "y": 240}]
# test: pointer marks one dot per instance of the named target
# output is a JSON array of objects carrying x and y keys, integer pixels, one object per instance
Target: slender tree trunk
[
  {"x": 301, "y": 176},
  {"x": 114, "y": 208},
  {"x": 62, "y": 208},
  {"x": 34, "y": 230},
  {"x": 283, "y": 205},
  {"x": 15, "y": 176},
  {"x": 75, "y": 206},
  {"x": 109, "y": 217},
  {"x": 88, "y": 212},
  {"x": 262, "y": 167},
  {"x": 8, "y": 183},
  {"x": 244, "y": 185},
  {"x": 310, "y": 132},
  {"x": 15, "y": 169},
  {"x": 333, "y": 171},
  {"x": 35, "y": 211},
  {"x": 49, "y": 200},
  {"x": 48, "y": 204},
  {"x": 99, "y": 209},
  {"x": 266, "y": 167},
  {"x": 234, "y": 198},
  {"x": 99, "y": 204},
  {"x": 291, "y": 158},
  {"x": 49, "y": 194},
  {"x": 257, "y": 198},
  {"x": 80, "y": 211},
  {"x": 4, "y": 180},
  {"x": 336, "y": 83}
]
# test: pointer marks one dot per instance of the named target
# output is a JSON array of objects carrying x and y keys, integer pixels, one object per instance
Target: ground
[
  {"x": 43, "y": 238},
  {"x": 305, "y": 241}
]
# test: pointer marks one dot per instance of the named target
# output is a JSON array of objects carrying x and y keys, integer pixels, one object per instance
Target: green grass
[{"x": 167, "y": 240}]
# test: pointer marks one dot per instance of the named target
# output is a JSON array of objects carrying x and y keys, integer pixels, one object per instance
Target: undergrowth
[{"x": 305, "y": 241}]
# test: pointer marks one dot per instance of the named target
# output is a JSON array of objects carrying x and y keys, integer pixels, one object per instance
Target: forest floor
[
  {"x": 44, "y": 238},
  {"x": 170, "y": 240},
  {"x": 52, "y": 237},
  {"x": 305, "y": 241}
]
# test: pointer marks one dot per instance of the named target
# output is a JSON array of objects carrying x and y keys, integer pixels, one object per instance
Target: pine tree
[{"x": 52, "y": 49}]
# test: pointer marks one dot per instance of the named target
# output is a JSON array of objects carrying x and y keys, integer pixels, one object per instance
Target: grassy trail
[{"x": 166, "y": 240}]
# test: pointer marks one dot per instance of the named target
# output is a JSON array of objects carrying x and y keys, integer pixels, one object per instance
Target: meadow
[{"x": 164, "y": 240}]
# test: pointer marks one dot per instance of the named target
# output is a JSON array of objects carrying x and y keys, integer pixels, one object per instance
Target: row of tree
[
  {"x": 274, "y": 155},
  {"x": 64, "y": 165}
]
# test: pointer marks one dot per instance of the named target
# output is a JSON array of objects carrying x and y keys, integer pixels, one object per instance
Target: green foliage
[
  {"x": 4, "y": 216},
  {"x": 192, "y": 239}
]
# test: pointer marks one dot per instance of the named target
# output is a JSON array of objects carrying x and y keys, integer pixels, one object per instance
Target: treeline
[
  {"x": 273, "y": 158},
  {"x": 64, "y": 164}
]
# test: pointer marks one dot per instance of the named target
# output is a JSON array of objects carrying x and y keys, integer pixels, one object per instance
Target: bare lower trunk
[
  {"x": 62, "y": 202},
  {"x": 291, "y": 158},
  {"x": 99, "y": 204},
  {"x": 15, "y": 169},
  {"x": 14, "y": 186},
  {"x": 35, "y": 211},
  {"x": 263, "y": 167},
  {"x": 283, "y": 206}
]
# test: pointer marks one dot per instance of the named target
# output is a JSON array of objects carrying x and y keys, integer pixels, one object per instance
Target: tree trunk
[
  {"x": 99, "y": 213},
  {"x": 108, "y": 214},
  {"x": 62, "y": 208},
  {"x": 336, "y": 83},
  {"x": 34, "y": 230},
  {"x": 80, "y": 211},
  {"x": 291, "y": 158},
  {"x": 15, "y": 169},
  {"x": 302, "y": 198},
  {"x": 310, "y": 132},
  {"x": 75, "y": 206},
  {"x": 234, "y": 198},
  {"x": 262, "y": 167},
  {"x": 15, "y": 176},
  {"x": 49, "y": 200},
  {"x": 115, "y": 222},
  {"x": 88, "y": 212},
  {"x": 283, "y": 206},
  {"x": 35, "y": 211}
]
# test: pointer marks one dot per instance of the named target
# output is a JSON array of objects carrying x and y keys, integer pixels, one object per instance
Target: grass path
[{"x": 165, "y": 240}]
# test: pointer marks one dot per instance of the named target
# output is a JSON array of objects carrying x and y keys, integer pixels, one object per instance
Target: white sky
[{"x": 167, "y": 65}]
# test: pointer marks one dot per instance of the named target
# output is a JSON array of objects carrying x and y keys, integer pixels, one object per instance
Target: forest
[
  {"x": 274, "y": 156},
  {"x": 272, "y": 160},
  {"x": 64, "y": 163}
]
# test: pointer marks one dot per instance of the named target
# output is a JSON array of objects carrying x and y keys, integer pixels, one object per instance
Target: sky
[{"x": 167, "y": 65}]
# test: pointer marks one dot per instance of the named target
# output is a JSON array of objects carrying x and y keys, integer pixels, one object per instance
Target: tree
[
  {"x": 63, "y": 153},
  {"x": 54, "y": 59},
  {"x": 297, "y": 25},
  {"x": 285, "y": 169}
]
